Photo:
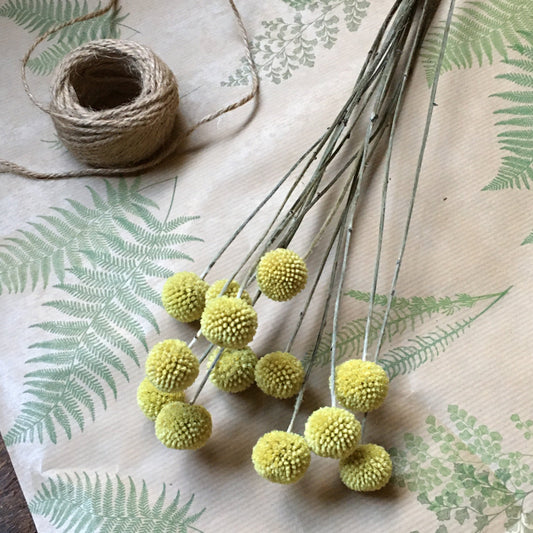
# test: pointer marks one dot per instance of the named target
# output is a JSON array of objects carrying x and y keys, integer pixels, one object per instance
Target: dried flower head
[
  {"x": 332, "y": 432},
  {"x": 234, "y": 371},
  {"x": 171, "y": 366},
  {"x": 361, "y": 385},
  {"x": 281, "y": 457},
  {"x": 367, "y": 469},
  {"x": 279, "y": 374},
  {"x": 281, "y": 274},
  {"x": 151, "y": 400},
  {"x": 183, "y": 296},
  {"x": 183, "y": 426},
  {"x": 231, "y": 290},
  {"x": 229, "y": 322}
]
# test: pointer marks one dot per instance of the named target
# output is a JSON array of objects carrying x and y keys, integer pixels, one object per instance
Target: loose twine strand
[{"x": 145, "y": 127}]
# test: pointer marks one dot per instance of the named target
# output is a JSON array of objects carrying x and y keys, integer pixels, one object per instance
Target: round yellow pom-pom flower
[
  {"x": 151, "y": 400},
  {"x": 171, "y": 366},
  {"x": 367, "y": 469},
  {"x": 361, "y": 385},
  {"x": 281, "y": 274},
  {"x": 332, "y": 432},
  {"x": 183, "y": 296},
  {"x": 234, "y": 371},
  {"x": 229, "y": 322},
  {"x": 279, "y": 374},
  {"x": 183, "y": 426},
  {"x": 232, "y": 290},
  {"x": 281, "y": 457}
]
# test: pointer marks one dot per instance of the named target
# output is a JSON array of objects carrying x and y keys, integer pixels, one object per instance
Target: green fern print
[
  {"x": 42, "y": 15},
  {"x": 106, "y": 309},
  {"x": 480, "y": 31},
  {"x": 463, "y": 475},
  {"x": 83, "y": 503},
  {"x": 284, "y": 46},
  {"x": 516, "y": 169},
  {"x": 407, "y": 314},
  {"x": 48, "y": 247}
]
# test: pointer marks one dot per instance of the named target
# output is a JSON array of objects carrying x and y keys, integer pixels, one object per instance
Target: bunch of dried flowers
[{"x": 335, "y": 170}]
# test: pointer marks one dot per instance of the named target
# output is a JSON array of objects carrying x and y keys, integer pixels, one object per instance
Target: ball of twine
[{"x": 114, "y": 103}]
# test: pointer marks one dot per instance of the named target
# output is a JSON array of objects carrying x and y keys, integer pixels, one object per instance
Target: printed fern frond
[
  {"x": 421, "y": 349},
  {"x": 284, "y": 46},
  {"x": 528, "y": 239},
  {"x": 424, "y": 348},
  {"x": 480, "y": 31},
  {"x": 516, "y": 169},
  {"x": 108, "y": 307},
  {"x": 406, "y": 315},
  {"x": 79, "y": 504},
  {"x": 42, "y": 15},
  {"x": 55, "y": 243}
]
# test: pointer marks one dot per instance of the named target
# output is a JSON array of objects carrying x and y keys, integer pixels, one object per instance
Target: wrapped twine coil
[{"x": 113, "y": 103}]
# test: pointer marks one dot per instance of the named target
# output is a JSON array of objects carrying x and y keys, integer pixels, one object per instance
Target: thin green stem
[
  {"x": 429, "y": 116},
  {"x": 207, "y": 374},
  {"x": 386, "y": 177}
]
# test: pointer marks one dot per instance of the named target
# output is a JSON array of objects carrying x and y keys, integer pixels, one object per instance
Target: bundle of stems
[{"x": 338, "y": 167}]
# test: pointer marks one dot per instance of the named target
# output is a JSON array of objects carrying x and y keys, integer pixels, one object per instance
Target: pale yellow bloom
[
  {"x": 183, "y": 426},
  {"x": 281, "y": 457},
  {"x": 171, "y": 366},
  {"x": 367, "y": 469},
  {"x": 281, "y": 274},
  {"x": 183, "y": 296},
  {"x": 332, "y": 432}
]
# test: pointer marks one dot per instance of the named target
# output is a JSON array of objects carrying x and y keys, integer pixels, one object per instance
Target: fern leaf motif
[
  {"x": 53, "y": 244},
  {"x": 106, "y": 307},
  {"x": 480, "y": 31},
  {"x": 285, "y": 46},
  {"x": 83, "y": 503},
  {"x": 406, "y": 314},
  {"x": 424, "y": 348},
  {"x": 516, "y": 169},
  {"x": 40, "y": 16}
]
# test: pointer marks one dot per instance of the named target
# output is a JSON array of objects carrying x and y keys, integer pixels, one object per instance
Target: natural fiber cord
[{"x": 114, "y": 105}]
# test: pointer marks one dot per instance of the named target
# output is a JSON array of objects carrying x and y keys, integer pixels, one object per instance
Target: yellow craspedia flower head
[
  {"x": 183, "y": 296},
  {"x": 281, "y": 457},
  {"x": 361, "y": 385},
  {"x": 234, "y": 371},
  {"x": 151, "y": 400},
  {"x": 229, "y": 322},
  {"x": 171, "y": 366},
  {"x": 183, "y": 426},
  {"x": 279, "y": 374},
  {"x": 332, "y": 432},
  {"x": 367, "y": 469},
  {"x": 232, "y": 290},
  {"x": 281, "y": 274}
]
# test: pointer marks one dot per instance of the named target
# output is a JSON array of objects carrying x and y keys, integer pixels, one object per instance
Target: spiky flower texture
[
  {"x": 332, "y": 432},
  {"x": 281, "y": 457},
  {"x": 281, "y": 274},
  {"x": 171, "y": 366},
  {"x": 151, "y": 400},
  {"x": 361, "y": 385},
  {"x": 234, "y": 371},
  {"x": 232, "y": 290},
  {"x": 183, "y": 296},
  {"x": 279, "y": 374},
  {"x": 229, "y": 322},
  {"x": 183, "y": 426},
  {"x": 367, "y": 469}
]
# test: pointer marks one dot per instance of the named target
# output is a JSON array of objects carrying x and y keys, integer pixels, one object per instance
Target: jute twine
[{"x": 114, "y": 105}]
